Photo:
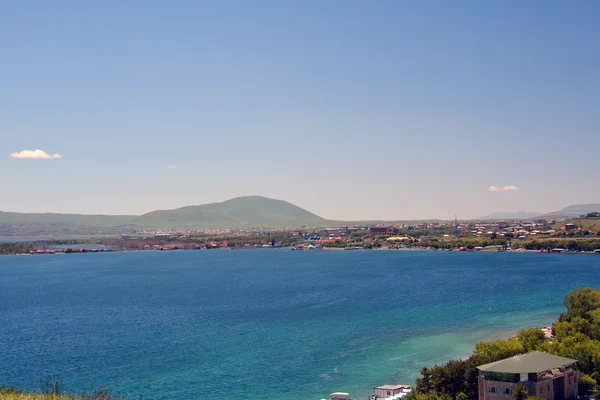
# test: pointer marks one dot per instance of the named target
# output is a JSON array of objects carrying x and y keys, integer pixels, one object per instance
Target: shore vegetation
[{"x": 50, "y": 389}]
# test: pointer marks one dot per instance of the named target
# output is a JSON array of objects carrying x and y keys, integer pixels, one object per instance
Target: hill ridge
[{"x": 240, "y": 212}]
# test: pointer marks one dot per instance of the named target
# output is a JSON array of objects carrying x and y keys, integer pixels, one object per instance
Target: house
[
  {"x": 544, "y": 375},
  {"x": 570, "y": 227},
  {"x": 383, "y": 230},
  {"x": 390, "y": 391}
]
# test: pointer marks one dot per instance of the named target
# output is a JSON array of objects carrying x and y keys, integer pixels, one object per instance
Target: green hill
[
  {"x": 64, "y": 225},
  {"x": 53, "y": 218},
  {"x": 241, "y": 212}
]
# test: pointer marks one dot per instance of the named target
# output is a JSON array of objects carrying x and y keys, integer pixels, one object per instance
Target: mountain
[
  {"x": 570, "y": 211},
  {"x": 511, "y": 215},
  {"x": 577, "y": 210},
  {"x": 54, "y": 218},
  {"x": 64, "y": 225},
  {"x": 241, "y": 212}
]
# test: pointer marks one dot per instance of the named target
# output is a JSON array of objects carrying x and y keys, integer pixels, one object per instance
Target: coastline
[
  {"x": 100, "y": 247},
  {"x": 458, "y": 344}
]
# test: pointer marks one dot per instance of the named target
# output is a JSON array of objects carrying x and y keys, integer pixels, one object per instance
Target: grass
[
  {"x": 15, "y": 394},
  {"x": 589, "y": 224}
]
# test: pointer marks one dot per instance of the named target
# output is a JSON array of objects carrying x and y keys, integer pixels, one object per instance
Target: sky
[{"x": 349, "y": 109}]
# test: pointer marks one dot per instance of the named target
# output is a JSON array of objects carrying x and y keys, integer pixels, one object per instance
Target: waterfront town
[{"x": 578, "y": 235}]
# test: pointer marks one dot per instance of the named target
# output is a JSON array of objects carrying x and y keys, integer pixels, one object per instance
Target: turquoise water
[{"x": 268, "y": 324}]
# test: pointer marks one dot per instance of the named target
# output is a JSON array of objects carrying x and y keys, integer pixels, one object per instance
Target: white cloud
[
  {"x": 37, "y": 154},
  {"x": 509, "y": 188},
  {"x": 172, "y": 166}
]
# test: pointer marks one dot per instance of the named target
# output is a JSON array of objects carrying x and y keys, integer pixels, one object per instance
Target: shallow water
[{"x": 269, "y": 323}]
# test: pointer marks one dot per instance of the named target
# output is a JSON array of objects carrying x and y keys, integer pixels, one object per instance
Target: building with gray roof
[{"x": 544, "y": 375}]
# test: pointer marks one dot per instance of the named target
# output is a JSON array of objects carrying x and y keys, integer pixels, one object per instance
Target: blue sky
[{"x": 350, "y": 109}]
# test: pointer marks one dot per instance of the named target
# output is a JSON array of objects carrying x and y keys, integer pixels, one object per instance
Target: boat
[
  {"x": 310, "y": 247},
  {"x": 339, "y": 396}
]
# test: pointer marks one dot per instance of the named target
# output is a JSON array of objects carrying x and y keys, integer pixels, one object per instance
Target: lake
[{"x": 265, "y": 324}]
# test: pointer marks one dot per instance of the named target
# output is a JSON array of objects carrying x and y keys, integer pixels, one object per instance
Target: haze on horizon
[{"x": 350, "y": 109}]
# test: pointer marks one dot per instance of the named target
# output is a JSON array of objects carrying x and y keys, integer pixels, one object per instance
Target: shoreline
[
  {"x": 479, "y": 335},
  {"x": 80, "y": 249}
]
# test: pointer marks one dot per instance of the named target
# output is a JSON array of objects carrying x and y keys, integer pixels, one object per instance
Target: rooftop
[
  {"x": 534, "y": 362},
  {"x": 393, "y": 387}
]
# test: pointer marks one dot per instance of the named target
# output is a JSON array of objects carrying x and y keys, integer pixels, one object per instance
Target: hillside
[
  {"x": 577, "y": 210},
  {"x": 591, "y": 224},
  {"x": 569, "y": 211},
  {"x": 51, "y": 224},
  {"x": 241, "y": 212},
  {"x": 511, "y": 215}
]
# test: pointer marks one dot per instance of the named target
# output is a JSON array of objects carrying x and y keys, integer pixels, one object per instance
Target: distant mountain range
[
  {"x": 570, "y": 211},
  {"x": 577, "y": 210},
  {"x": 241, "y": 212},
  {"x": 511, "y": 215}
]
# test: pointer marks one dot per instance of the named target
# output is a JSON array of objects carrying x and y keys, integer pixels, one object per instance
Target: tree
[
  {"x": 520, "y": 392},
  {"x": 424, "y": 383},
  {"x": 532, "y": 338},
  {"x": 486, "y": 352},
  {"x": 565, "y": 329},
  {"x": 586, "y": 385},
  {"x": 580, "y": 302}
]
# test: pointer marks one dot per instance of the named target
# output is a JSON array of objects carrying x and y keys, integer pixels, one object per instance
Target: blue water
[{"x": 265, "y": 324}]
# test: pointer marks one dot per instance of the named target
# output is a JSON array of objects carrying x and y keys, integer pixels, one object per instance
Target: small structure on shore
[
  {"x": 390, "y": 392},
  {"x": 543, "y": 375}
]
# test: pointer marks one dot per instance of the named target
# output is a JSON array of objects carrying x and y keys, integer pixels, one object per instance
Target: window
[
  {"x": 492, "y": 389},
  {"x": 541, "y": 390},
  {"x": 569, "y": 381},
  {"x": 389, "y": 393},
  {"x": 508, "y": 391}
]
